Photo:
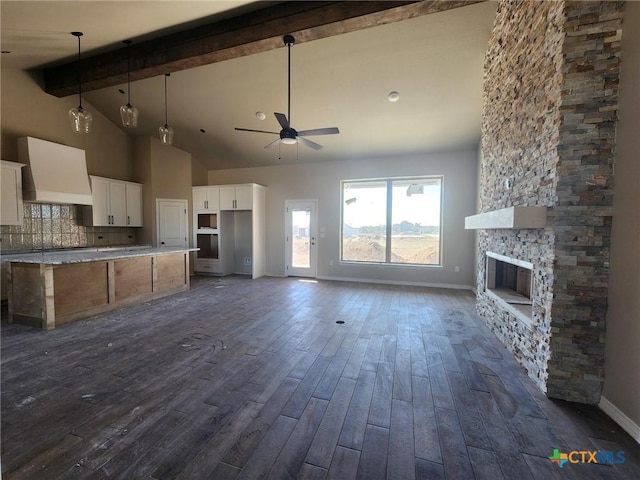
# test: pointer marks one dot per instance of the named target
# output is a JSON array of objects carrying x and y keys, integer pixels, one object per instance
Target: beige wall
[
  {"x": 28, "y": 110},
  {"x": 142, "y": 174},
  {"x": 322, "y": 182},
  {"x": 199, "y": 173},
  {"x": 165, "y": 172},
  {"x": 622, "y": 354}
]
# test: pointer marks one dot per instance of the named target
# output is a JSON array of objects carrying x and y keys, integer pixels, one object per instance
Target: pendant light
[
  {"x": 166, "y": 132},
  {"x": 128, "y": 113},
  {"x": 79, "y": 117}
]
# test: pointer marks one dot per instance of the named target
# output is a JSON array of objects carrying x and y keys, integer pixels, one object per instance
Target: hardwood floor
[{"x": 241, "y": 379}]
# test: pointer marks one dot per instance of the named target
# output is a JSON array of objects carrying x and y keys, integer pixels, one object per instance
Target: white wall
[{"x": 322, "y": 181}]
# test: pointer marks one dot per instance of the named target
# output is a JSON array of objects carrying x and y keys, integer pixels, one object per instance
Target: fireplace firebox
[{"x": 510, "y": 282}]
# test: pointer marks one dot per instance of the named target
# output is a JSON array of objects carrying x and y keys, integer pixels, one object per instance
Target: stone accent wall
[
  {"x": 47, "y": 226},
  {"x": 549, "y": 118},
  {"x": 584, "y": 198}
]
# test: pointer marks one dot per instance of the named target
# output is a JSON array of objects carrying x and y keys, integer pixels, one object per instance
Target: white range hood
[{"x": 54, "y": 173}]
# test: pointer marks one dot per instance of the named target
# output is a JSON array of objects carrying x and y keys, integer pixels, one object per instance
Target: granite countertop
[{"x": 83, "y": 255}]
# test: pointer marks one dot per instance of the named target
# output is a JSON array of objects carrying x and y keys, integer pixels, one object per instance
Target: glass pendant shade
[
  {"x": 80, "y": 118},
  {"x": 129, "y": 115},
  {"x": 166, "y": 135}
]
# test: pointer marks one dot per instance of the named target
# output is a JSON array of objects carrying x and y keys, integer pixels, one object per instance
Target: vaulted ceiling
[{"x": 341, "y": 71}]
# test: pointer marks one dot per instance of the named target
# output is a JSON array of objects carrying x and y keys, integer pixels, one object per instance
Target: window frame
[{"x": 389, "y": 222}]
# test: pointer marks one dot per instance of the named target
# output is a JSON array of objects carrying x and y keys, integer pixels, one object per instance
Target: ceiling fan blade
[
  {"x": 319, "y": 131},
  {"x": 309, "y": 143},
  {"x": 251, "y": 130},
  {"x": 273, "y": 144},
  {"x": 282, "y": 120}
]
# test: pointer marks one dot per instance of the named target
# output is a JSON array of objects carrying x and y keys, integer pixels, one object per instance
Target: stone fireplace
[{"x": 548, "y": 143}]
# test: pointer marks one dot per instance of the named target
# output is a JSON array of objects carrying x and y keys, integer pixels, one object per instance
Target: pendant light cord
[
  {"x": 128, "y": 42},
  {"x": 79, "y": 34},
  {"x": 166, "y": 123}
]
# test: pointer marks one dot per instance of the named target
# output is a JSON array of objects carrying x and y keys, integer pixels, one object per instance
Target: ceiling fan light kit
[
  {"x": 288, "y": 135},
  {"x": 80, "y": 118}
]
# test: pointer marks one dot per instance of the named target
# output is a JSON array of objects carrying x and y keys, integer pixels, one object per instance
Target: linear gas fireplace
[{"x": 510, "y": 283}]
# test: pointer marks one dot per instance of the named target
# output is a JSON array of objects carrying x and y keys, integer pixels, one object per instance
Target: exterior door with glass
[{"x": 301, "y": 225}]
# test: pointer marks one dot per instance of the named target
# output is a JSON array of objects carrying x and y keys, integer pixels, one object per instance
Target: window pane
[
  {"x": 301, "y": 252},
  {"x": 364, "y": 221},
  {"x": 415, "y": 213}
]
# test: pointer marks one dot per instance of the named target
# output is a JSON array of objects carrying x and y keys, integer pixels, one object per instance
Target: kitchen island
[{"x": 49, "y": 289}]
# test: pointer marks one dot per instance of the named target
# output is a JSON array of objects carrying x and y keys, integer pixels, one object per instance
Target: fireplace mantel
[{"x": 510, "y": 218}]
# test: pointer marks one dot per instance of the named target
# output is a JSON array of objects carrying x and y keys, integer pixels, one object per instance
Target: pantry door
[
  {"x": 301, "y": 225},
  {"x": 172, "y": 224}
]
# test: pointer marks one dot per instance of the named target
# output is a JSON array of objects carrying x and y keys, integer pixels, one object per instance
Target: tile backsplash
[{"x": 51, "y": 226}]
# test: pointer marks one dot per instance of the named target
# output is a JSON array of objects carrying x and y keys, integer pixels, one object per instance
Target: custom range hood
[{"x": 54, "y": 173}]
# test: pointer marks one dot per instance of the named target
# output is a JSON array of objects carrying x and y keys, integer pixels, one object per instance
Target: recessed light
[
  {"x": 260, "y": 115},
  {"x": 121, "y": 91},
  {"x": 393, "y": 96},
  {"x": 202, "y": 130}
]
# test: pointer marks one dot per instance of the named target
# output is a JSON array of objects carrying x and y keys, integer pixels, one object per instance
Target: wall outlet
[
  {"x": 247, "y": 260},
  {"x": 456, "y": 269}
]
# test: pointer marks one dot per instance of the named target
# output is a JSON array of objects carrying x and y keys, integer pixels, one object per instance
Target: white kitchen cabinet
[
  {"x": 133, "y": 197},
  {"x": 231, "y": 239},
  {"x": 236, "y": 197},
  {"x": 206, "y": 204},
  {"x": 116, "y": 203},
  {"x": 11, "y": 192},
  {"x": 206, "y": 199}
]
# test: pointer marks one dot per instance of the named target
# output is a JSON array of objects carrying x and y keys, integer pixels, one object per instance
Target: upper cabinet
[
  {"x": 11, "y": 193},
  {"x": 236, "y": 197},
  {"x": 206, "y": 199},
  {"x": 115, "y": 203},
  {"x": 133, "y": 197}
]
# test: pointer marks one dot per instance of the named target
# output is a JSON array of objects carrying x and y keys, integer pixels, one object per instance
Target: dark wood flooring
[{"x": 241, "y": 379}]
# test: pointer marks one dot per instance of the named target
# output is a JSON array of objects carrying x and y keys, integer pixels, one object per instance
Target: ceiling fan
[{"x": 288, "y": 134}]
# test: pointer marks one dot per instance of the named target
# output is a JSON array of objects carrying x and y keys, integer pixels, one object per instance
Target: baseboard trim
[
  {"x": 620, "y": 418},
  {"x": 397, "y": 282}
]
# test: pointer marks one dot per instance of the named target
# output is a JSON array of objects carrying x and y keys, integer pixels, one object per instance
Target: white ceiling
[{"x": 434, "y": 62}]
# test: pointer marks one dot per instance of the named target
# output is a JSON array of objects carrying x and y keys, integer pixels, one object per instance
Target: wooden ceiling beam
[{"x": 246, "y": 34}]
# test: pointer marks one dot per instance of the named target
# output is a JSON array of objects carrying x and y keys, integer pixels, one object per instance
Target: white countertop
[{"x": 83, "y": 255}]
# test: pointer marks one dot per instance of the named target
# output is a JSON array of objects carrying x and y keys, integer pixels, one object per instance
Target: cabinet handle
[
  {"x": 206, "y": 204},
  {"x": 128, "y": 220}
]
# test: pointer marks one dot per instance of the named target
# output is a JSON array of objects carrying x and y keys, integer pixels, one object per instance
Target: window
[{"x": 392, "y": 221}]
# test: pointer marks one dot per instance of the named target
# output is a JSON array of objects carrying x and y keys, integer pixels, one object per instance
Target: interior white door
[
  {"x": 171, "y": 219},
  {"x": 301, "y": 225}
]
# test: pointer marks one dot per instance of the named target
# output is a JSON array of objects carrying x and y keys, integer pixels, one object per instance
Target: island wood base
[{"x": 47, "y": 296}]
